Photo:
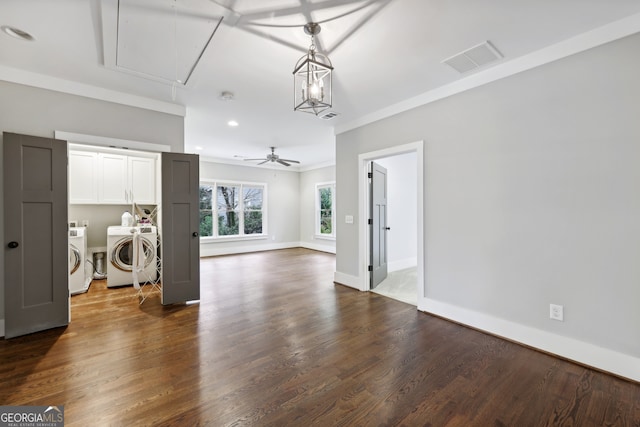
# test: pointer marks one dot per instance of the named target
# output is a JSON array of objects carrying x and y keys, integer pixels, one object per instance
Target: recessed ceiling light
[
  {"x": 232, "y": 123},
  {"x": 17, "y": 33}
]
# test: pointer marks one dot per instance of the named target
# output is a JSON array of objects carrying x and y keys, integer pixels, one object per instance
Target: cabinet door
[
  {"x": 142, "y": 180},
  {"x": 83, "y": 177},
  {"x": 112, "y": 188}
]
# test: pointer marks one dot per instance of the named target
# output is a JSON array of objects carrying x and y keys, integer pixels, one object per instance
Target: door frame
[{"x": 363, "y": 211}]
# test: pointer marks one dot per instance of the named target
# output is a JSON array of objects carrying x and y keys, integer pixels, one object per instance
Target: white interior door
[
  {"x": 36, "y": 289},
  {"x": 378, "y": 224}
]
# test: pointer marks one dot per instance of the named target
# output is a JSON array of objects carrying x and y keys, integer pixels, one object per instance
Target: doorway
[
  {"x": 399, "y": 282},
  {"x": 37, "y": 170},
  {"x": 364, "y": 197}
]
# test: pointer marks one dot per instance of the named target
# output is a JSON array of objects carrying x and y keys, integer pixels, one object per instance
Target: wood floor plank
[{"x": 274, "y": 342}]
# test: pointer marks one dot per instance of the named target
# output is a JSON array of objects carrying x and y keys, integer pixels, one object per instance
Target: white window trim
[
  {"x": 214, "y": 211},
  {"x": 317, "y": 234}
]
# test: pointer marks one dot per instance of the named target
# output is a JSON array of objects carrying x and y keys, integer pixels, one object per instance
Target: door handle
[
  {"x": 387, "y": 228},
  {"x": 195, "y": 234},
  {"x": 13, "y": 245}
]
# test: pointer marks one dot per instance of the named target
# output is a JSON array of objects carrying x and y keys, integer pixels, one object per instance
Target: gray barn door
[
  {"x": 36, "y": 251},
  {"x": 378, "y": 228},
  {"x": 180, "y": 223}
]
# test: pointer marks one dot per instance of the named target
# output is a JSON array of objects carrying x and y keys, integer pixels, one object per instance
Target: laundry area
[{"x": 113, "y": 219}]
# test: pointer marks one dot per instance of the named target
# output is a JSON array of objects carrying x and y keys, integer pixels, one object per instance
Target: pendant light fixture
[{"x": 312, "y": 78}]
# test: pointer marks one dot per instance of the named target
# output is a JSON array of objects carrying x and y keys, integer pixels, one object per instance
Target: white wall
[
  {"x": 100, "y": 217},
  {"x": 283, "y": 198},
  {"x": 40, "y": 112},
  {"x": 531, "y": 197},
  {"x": 401, "y": 210},
  {"x": 308, "y": 181}
]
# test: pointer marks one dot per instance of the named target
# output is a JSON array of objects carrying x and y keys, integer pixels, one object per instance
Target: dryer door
[
  {"x": 74, "y": 258},
  {"x": 122, "y": 254}
]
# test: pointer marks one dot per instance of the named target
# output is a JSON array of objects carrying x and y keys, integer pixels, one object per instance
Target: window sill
[
  {"x": 233, "y": 238},
  {"x": 324, "y": 237}
]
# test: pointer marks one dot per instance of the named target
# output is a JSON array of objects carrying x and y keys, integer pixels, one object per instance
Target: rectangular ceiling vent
[
  {"x": 473, "y": 58},
  {"x": 328, "y": 116}
]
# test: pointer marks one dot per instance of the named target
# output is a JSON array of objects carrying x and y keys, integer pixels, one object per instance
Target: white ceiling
[{"x": 384, "y": 53}]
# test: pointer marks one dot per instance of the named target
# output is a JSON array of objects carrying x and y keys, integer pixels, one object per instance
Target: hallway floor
[{"x": 400, "y": 285}]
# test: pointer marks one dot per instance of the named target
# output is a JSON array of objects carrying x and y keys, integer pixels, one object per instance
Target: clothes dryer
[
  {"x": 120, "y": 254},
  {"x": 77, "y": 261}
]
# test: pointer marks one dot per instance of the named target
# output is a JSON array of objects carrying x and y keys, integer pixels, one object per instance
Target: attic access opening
[{"x": 160, "y": 40}]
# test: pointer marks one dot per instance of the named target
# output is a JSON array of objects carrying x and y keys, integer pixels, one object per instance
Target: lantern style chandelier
[{"x": 312, "y": 78}]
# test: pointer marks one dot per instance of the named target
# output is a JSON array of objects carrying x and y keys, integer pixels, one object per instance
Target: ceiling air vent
[
  {"x": 473, "y": 58},
  {"x": 328, "y": 116}
]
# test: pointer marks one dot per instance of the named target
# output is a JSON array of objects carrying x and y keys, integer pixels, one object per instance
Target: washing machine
[
  {"x": 120, "y": 254},
  {"x": 77, "y": 261}
]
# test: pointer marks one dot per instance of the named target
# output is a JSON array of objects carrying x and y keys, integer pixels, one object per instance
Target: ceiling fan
[{"x": 273, "y": 157}]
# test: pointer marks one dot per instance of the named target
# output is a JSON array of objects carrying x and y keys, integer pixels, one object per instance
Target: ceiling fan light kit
[{"x": 312, "y": 78}]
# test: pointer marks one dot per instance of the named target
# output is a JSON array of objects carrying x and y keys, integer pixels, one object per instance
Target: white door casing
[{"x": 363, "y": 208}]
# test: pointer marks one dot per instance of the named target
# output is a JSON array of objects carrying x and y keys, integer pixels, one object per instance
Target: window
[
  {"x": 237, "y": 207},
  {"x": 252, "y": 197},
  {"x": 325, "y": 209},
  {"x": 206, "y": 211},
  {"x": 227, "y": 201}
]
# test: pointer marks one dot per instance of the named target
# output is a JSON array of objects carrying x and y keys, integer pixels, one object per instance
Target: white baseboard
[
  {"x": 318, "y": 247},
  {"x": 212, "y": 249},
  {"x": 1, "y": 327},
  {"x": 346, "y": 279},
  {"x": 588, "y": 354},
  {"x": 401, "y": 264},
  {"x": 209, "y": 249}
]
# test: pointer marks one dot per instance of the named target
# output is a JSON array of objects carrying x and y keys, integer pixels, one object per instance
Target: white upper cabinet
[
  {"x": 142, "y": 180},
  {"x": 83, "y": 177},
  {"x": 112, "y": 182},
  {"x": 111, "y": 178}
]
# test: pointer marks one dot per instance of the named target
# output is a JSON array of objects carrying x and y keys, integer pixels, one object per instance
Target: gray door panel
[
  {"x": 378, "y": 215},
  {"x": 35, "y": 209},
  {"x": 180, "y": 225}
]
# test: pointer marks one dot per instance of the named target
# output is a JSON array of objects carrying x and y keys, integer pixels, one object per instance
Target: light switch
[{"x": 348, "y": 219}]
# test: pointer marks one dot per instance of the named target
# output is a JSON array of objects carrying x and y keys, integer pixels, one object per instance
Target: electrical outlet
[{"x": 556, "y": 312}]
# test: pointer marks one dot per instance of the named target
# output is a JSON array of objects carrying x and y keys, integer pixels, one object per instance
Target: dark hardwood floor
[{"x": 274, "y": 342}]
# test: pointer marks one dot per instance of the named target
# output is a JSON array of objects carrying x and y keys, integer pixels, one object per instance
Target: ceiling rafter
[{"x": 247, "y": 21}]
